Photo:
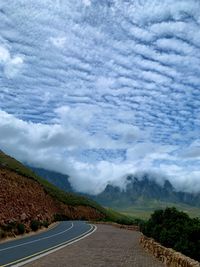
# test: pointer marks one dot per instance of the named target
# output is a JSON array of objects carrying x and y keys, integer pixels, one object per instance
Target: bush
[
  {"x": 21, "y": 228},
  {"x": 9, "y": 227},
  {"x": 176, "y": 230},
  {"x": 60, "y": 217},
  {"x": 2, "y": 233},
  {"x": 35, "y": 225},
  {"x": 45, "y": 224}
]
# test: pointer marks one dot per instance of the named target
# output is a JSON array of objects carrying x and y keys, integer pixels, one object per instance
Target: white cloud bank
[{"x": 52, "y": 146}]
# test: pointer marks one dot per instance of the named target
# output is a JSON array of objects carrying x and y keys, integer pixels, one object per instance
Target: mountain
[
  {"x": 59, "y": 180},
  {"x": 26, "y": 197},
  {"x": 138, "y": 191}
]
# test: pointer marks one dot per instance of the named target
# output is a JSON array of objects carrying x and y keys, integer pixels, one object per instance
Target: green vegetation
[
  {"x": 35, "y": 225},
  {"x": 9, "y": 227},
  {"x": 175, "y": 229},
  {"x": 66, "y": 198},
  {"x": 20, "y": 228},
  {"x": 144, "y": 210},
  {"x": 114, "y": 216},
  {"x": 60, "y": 217},
  {"x": 12, "y": 228},
  {"x": 45, "y": 224},
  {"x": 2, "y": 233}
]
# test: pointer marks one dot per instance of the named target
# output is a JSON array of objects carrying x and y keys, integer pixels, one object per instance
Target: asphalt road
[{"x": 13, "y": 253}]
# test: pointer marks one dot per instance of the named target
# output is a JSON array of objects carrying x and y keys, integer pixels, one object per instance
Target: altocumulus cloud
[
  {"x": 101, "y": 89},
  {"x": 10, "y": 64}
]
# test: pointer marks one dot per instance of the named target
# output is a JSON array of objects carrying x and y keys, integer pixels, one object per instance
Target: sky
[{"x": 101, "y": 89}]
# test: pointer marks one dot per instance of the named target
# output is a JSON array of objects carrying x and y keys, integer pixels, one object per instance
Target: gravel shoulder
[{"x": 108, "y": 246}]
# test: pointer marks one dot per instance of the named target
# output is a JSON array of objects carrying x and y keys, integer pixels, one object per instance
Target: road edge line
[
  {"x": 53, "y": 249},
  {"x": 36, "y": 240}
]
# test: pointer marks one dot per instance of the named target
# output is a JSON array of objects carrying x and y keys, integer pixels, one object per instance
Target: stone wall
[{"x": 168, "y": 256}]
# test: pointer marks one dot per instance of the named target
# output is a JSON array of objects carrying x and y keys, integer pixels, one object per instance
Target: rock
[{"x": 23, "y": 216}]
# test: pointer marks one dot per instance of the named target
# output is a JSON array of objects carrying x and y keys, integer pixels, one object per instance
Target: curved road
[{"x": 17, "y": 252}]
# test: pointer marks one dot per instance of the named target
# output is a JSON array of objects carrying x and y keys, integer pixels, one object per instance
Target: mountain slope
[
  {"x": 24, "y": 200},
  {"x": 11, "y": 164},
  {"x": 25, "y": 197}
]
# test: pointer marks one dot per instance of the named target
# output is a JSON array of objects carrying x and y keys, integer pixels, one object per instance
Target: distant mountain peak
[
  {"x": 168, "y": 185},
  {"x": 137, "y": 188},
  {"x": 146, "y": 188}
]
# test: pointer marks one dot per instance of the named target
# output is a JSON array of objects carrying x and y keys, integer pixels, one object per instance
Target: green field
[{"x": 143, "y": 211}]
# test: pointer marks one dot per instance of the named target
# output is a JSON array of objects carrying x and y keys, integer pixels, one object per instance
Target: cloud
[
  {"x": 102, "y": 84},
  {"x": 104, "y": 172},
  {"x": 127, "y": 132},
  {"x": 61, "y": 147},
  {"x": 11, "y": 64},
  {"x": 4, "y": 55},
  {"x": 77, "y": 115},
  {"x": 192, "y": 151},
  {"x": 58, "y": 42},
  {"x": 87, "y": 2},
  {"x": 32, "y": 137}
]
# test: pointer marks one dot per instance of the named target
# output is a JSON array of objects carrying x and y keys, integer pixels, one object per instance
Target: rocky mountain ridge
[
  {"x": 136, "y": 191},
  {"x": 143, "y": 190}
]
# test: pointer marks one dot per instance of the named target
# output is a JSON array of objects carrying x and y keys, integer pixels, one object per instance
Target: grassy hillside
[{"x": 66, "y": 198}]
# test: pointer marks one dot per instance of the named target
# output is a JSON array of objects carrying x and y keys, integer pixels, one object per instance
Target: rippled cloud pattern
[{"x": 104, "y": 88}]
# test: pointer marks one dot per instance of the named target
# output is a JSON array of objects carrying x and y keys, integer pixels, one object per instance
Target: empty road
[
  {"x": 107, "y": 247},
  {"x": 14, "y": 252}
]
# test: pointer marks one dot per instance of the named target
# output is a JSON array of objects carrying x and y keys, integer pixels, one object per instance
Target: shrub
[
  {"x": 35, "y": 225},
  {"x": 21, "y": 228},
  {"x": 174, "y": 229},
  {"x": 9, "y": 227},
  {"x": 60, "y": 217},
  {"x": 2, "y": 233},
  {"x": 45, "y": 224}
]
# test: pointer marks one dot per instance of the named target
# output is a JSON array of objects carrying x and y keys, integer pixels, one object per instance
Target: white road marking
[
  {"x": 39, "y": 239},
  {"x": 51, "y": 250}
]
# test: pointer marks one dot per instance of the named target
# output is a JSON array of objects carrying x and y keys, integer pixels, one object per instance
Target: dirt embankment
[{"x": 24, "y": 200}]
